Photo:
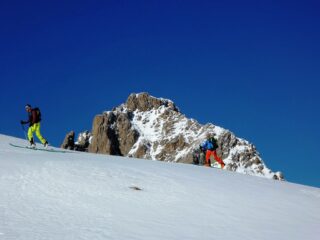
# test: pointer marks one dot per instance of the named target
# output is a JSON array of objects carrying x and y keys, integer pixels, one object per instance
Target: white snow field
[{"x": 57, "y": 196}]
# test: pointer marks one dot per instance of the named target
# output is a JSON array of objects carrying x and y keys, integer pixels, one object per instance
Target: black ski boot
[
  {"x": 45, "y": 145},
  {"x": 32, "y": 144}
]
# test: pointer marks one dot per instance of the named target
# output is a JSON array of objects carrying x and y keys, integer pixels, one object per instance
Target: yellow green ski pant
[{"x": 35, "y": 128}]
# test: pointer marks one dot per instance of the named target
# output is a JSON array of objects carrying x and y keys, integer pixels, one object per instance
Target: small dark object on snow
[{"x": 136, "y": 188}]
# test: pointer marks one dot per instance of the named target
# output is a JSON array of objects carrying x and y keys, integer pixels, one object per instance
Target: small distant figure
[
  {"x": 198, "y": 156},
  {"x": 210, "y": 146},
  {"x": 202, "y": 156},
  {"x": 34, "y": 119}
]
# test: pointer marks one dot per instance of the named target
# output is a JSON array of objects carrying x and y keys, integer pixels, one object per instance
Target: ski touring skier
[
  {"x": 198, "y": 156},
  {"x": 210, "y": 146},
  {"x": 34, "y": 119}
]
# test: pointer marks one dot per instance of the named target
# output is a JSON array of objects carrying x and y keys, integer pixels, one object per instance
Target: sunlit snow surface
[{"x": 56, "y": 196}]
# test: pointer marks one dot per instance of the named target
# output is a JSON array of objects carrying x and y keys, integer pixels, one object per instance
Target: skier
[
  {"x": 196, "y": 156},
  {"x": 202, "y": 156},
  {"x": 211, "y": 145},
  {"x": 34, "y": 118}
]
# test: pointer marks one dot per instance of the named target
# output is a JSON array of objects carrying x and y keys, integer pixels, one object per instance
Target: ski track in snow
[{"x": 86, "y": 196}]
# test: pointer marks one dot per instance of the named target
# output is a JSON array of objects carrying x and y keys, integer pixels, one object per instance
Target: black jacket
[{"x": 33, "y": 117}]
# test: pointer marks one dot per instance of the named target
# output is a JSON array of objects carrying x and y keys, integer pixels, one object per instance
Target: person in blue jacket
[{"x": 210, "y": 146}]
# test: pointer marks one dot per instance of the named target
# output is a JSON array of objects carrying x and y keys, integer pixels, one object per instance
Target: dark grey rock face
[{"x": 68, "y": 142}]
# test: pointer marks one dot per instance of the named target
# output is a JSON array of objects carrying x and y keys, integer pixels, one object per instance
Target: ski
[{"x": 39, "y": 149}]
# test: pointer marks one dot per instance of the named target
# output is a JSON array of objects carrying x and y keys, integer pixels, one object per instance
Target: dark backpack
[
  {"x": 214, "y": 144},
  {"x": 38, "y": 112}
]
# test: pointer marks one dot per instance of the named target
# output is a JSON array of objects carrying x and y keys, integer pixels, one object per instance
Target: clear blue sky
[{"x": 249, "y": 66}]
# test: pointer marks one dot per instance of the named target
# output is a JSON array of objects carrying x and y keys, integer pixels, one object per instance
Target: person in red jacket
[{"x": 34, "y": 118}]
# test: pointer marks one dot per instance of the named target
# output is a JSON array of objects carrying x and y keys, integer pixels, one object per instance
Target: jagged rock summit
[{"x": 154, "y": 128}]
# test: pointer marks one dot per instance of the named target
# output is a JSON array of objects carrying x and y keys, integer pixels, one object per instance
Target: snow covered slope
[{"x": 57, "y": 196}]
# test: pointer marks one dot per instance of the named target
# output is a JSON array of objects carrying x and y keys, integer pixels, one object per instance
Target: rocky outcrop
[
  {"x": 68, "y": 142},
  {"x": 154, "y": 128},
  {"x": 144, "y": 102},
  {"x": 113, "y": 134},
  {"x": 81, "y": 144}
]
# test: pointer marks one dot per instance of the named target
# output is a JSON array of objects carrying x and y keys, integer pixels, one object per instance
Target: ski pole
[{"x": 24, "y": 131}]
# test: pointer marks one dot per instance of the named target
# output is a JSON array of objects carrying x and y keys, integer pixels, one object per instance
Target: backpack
[
  {"x": 38, "y": 112},
  {"x": 214, "y": 143}
]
